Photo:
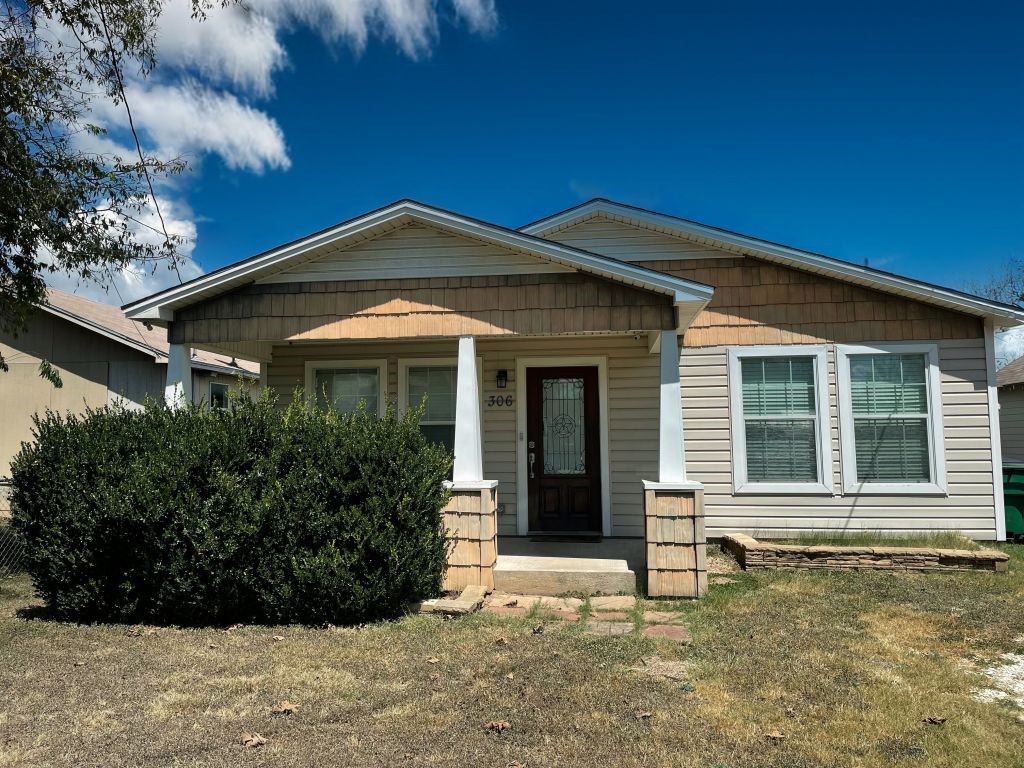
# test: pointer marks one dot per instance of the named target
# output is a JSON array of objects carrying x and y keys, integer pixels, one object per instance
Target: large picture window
[
  {"x": 779, "y": 404},
  {"x": 892, "y": 428},
  {"x": 343, "y": 385}
]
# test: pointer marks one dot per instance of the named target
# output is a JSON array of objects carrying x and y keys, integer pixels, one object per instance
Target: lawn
[{"x": 797, "y": 669}]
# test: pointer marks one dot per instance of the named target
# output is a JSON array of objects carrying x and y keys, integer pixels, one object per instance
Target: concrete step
[{"x": 536, "y": 575}]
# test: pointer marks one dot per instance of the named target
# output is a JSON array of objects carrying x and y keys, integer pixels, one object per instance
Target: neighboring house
[
  {"x": 596, "y": 361},
  {"x": 1011, "y": 409},
  {"x": 101, "y": 357}
]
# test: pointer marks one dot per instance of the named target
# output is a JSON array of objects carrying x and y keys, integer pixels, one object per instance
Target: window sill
[
  {"x": 795, "y": 489},
  {"x": 895, "y": 489}
]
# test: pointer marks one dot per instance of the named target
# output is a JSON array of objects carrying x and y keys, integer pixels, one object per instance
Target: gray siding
[{"x": 1011, "y": 422}]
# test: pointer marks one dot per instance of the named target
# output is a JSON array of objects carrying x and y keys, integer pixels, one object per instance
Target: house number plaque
[{"x": 499, "y": 401}]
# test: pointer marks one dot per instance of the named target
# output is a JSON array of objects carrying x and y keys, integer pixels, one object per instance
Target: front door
[{"x": 563, "y": 450}]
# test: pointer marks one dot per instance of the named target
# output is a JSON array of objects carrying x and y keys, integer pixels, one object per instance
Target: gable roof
[
  {"x": 1003, "y": 315},
  {"x": 109, "y": 321},
  {"x": 1011, "y": 373},
  {"x": 161, "y": 306}
]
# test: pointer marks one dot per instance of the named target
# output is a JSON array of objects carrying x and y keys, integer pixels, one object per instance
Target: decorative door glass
[{"x": 564, "y": 436}]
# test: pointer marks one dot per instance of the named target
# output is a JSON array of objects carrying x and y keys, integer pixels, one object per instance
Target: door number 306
[{"x": 501, "y": 401}]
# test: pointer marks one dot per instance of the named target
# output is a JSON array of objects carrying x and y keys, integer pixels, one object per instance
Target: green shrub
[{"x": 251, "y": 515}]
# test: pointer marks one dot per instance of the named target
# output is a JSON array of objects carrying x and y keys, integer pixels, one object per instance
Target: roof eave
[{"x": 1004, "y": 315}]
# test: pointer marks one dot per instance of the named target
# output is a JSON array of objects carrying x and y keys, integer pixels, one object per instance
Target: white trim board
[
  {"x": 1004, "y": 315},
  {"x": 995, "y": 435},
  {"x": 936, "y": 436},
  {"x": 382, "y": 377},
  {"x": 161, "y": 306},
  {"x": 522, "y": 481},
  {"x": 822, "y": 421}
]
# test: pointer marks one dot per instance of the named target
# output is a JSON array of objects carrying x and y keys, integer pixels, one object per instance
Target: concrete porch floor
[{"x": 610, "y": 566}]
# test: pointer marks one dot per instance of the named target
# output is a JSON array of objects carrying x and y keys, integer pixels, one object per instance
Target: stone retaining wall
[{"x": 756, "y": 555}]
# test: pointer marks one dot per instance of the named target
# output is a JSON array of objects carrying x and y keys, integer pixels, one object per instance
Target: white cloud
[
  {"x": 200, "y": 99},
  {"x": 191, "y": 119},
  {"x": 139, "y": 280}
]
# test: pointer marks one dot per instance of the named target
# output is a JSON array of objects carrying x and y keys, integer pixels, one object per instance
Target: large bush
[{"x": 254, "y": 514}]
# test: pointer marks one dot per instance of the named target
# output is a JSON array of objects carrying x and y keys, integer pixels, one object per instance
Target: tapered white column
[
  {"x": 671, "y": 464},
  {"x": 469, "y": 461},
  {"x": 179, "y": 376}
]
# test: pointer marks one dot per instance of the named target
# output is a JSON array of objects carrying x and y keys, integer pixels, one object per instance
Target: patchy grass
[
  {"x": 787, "y": 669},
  {"x": 933, "y": 540}
]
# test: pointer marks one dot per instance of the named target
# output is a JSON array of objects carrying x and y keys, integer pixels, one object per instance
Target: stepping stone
[
  {"x": 528, "y": 601},
  {"x": 719, "y": 581},
  {"x": 613, "y": 603},
  {"x": 470, "y": 600},
  {"x": 662, "y": 617},
  {"x": 561, "y": 615},
  {"x": 676, "y": 634},
  {"x": 608, "y": 628},
  {"x": 611, "y": 616}
]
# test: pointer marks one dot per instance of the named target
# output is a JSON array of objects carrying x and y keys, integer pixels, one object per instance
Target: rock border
[{"x": 752, "y": 554}]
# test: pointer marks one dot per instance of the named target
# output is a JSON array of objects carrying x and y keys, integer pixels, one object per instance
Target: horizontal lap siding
[
  {"x": 632, "y": 405},
  {"x": 969, "y": 506},
  {"x": 413, "y": 251},
  {"x": 629, "y": 243},
  {"x": 1011, "y": 422}
]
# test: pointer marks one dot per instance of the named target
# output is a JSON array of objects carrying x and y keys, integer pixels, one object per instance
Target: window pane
[
  {"x": 778, "y": 386},
  {"x": 442, "y": 434},
  {"x": 218, "y": 396},
  {"x": 782, "y": 450},
  {"x": 345, "y": 388},
  {"x": 884, "y": 384},
  {"x": 892, "y": 450},
  {"x": 438, "y": 384}
]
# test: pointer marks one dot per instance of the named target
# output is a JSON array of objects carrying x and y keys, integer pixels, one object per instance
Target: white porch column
[
  {"x": 179, "y": 376},
  {"x": 469, "y": 460},
  {"x": 671, "y": 463}
]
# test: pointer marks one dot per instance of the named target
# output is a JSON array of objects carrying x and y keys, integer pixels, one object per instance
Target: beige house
[
  {"x": 101, "y": 357},
  {"x": 617, "y": 375},
  {"x": 1011, "y": 409}
]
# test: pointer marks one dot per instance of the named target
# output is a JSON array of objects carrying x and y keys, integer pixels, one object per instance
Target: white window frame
[
  {"x": 822, "y": 417},
  {"x": 209, "y": 391},
  {"x": 936, "y": 439},
  {"x": 323, "y": 365}
]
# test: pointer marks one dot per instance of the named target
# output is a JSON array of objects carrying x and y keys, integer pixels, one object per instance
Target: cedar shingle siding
[{"x": 494, "y": 305}]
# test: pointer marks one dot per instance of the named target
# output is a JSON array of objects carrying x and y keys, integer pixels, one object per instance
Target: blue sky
[{"x": 862, "y": 131}]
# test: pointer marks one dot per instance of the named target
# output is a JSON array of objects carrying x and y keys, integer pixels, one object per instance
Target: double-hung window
[
  {"x": 435, "y": 384},
  {"x": 891, "y": 422},
  {"x": 344, "y": 385},
  {"x": 780, "y": 420}
]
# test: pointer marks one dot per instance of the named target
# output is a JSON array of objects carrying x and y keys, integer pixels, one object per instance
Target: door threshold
[{"x": 573, "y": 538}]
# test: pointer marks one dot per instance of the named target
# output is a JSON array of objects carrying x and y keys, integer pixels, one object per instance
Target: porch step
[{"x": 537, "y": 575}]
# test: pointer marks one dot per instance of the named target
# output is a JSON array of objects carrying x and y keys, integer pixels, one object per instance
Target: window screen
[
  {"x": 889, "y": 396},
  {"x": 780, "y": 419},
  {"x": 344, "y": 388}
]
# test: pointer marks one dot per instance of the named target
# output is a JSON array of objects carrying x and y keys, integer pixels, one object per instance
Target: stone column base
[
  {"x": 676, "y": 545},
  {"x": 471, "y": 521}
]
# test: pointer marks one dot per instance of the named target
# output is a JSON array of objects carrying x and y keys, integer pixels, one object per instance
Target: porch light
[{"x": 502, "y": 378}]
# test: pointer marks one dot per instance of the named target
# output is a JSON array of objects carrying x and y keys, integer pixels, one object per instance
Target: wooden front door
[{"x": 563, "y": 450}]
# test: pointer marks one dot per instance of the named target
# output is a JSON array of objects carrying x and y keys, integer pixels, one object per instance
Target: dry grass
[{"x": 804, "y": 669}]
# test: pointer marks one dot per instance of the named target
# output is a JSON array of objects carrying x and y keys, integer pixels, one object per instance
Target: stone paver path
[{"x": 610, "y": 615}]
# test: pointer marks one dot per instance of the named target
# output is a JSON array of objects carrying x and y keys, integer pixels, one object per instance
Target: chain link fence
[{"x": 11, "y": 547}]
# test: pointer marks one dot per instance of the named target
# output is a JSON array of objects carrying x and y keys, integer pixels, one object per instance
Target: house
[
  {"x": 612, "y": 374},
  {"x": 1010, "y": 379},
  {"x": 101, "y": 357}
]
